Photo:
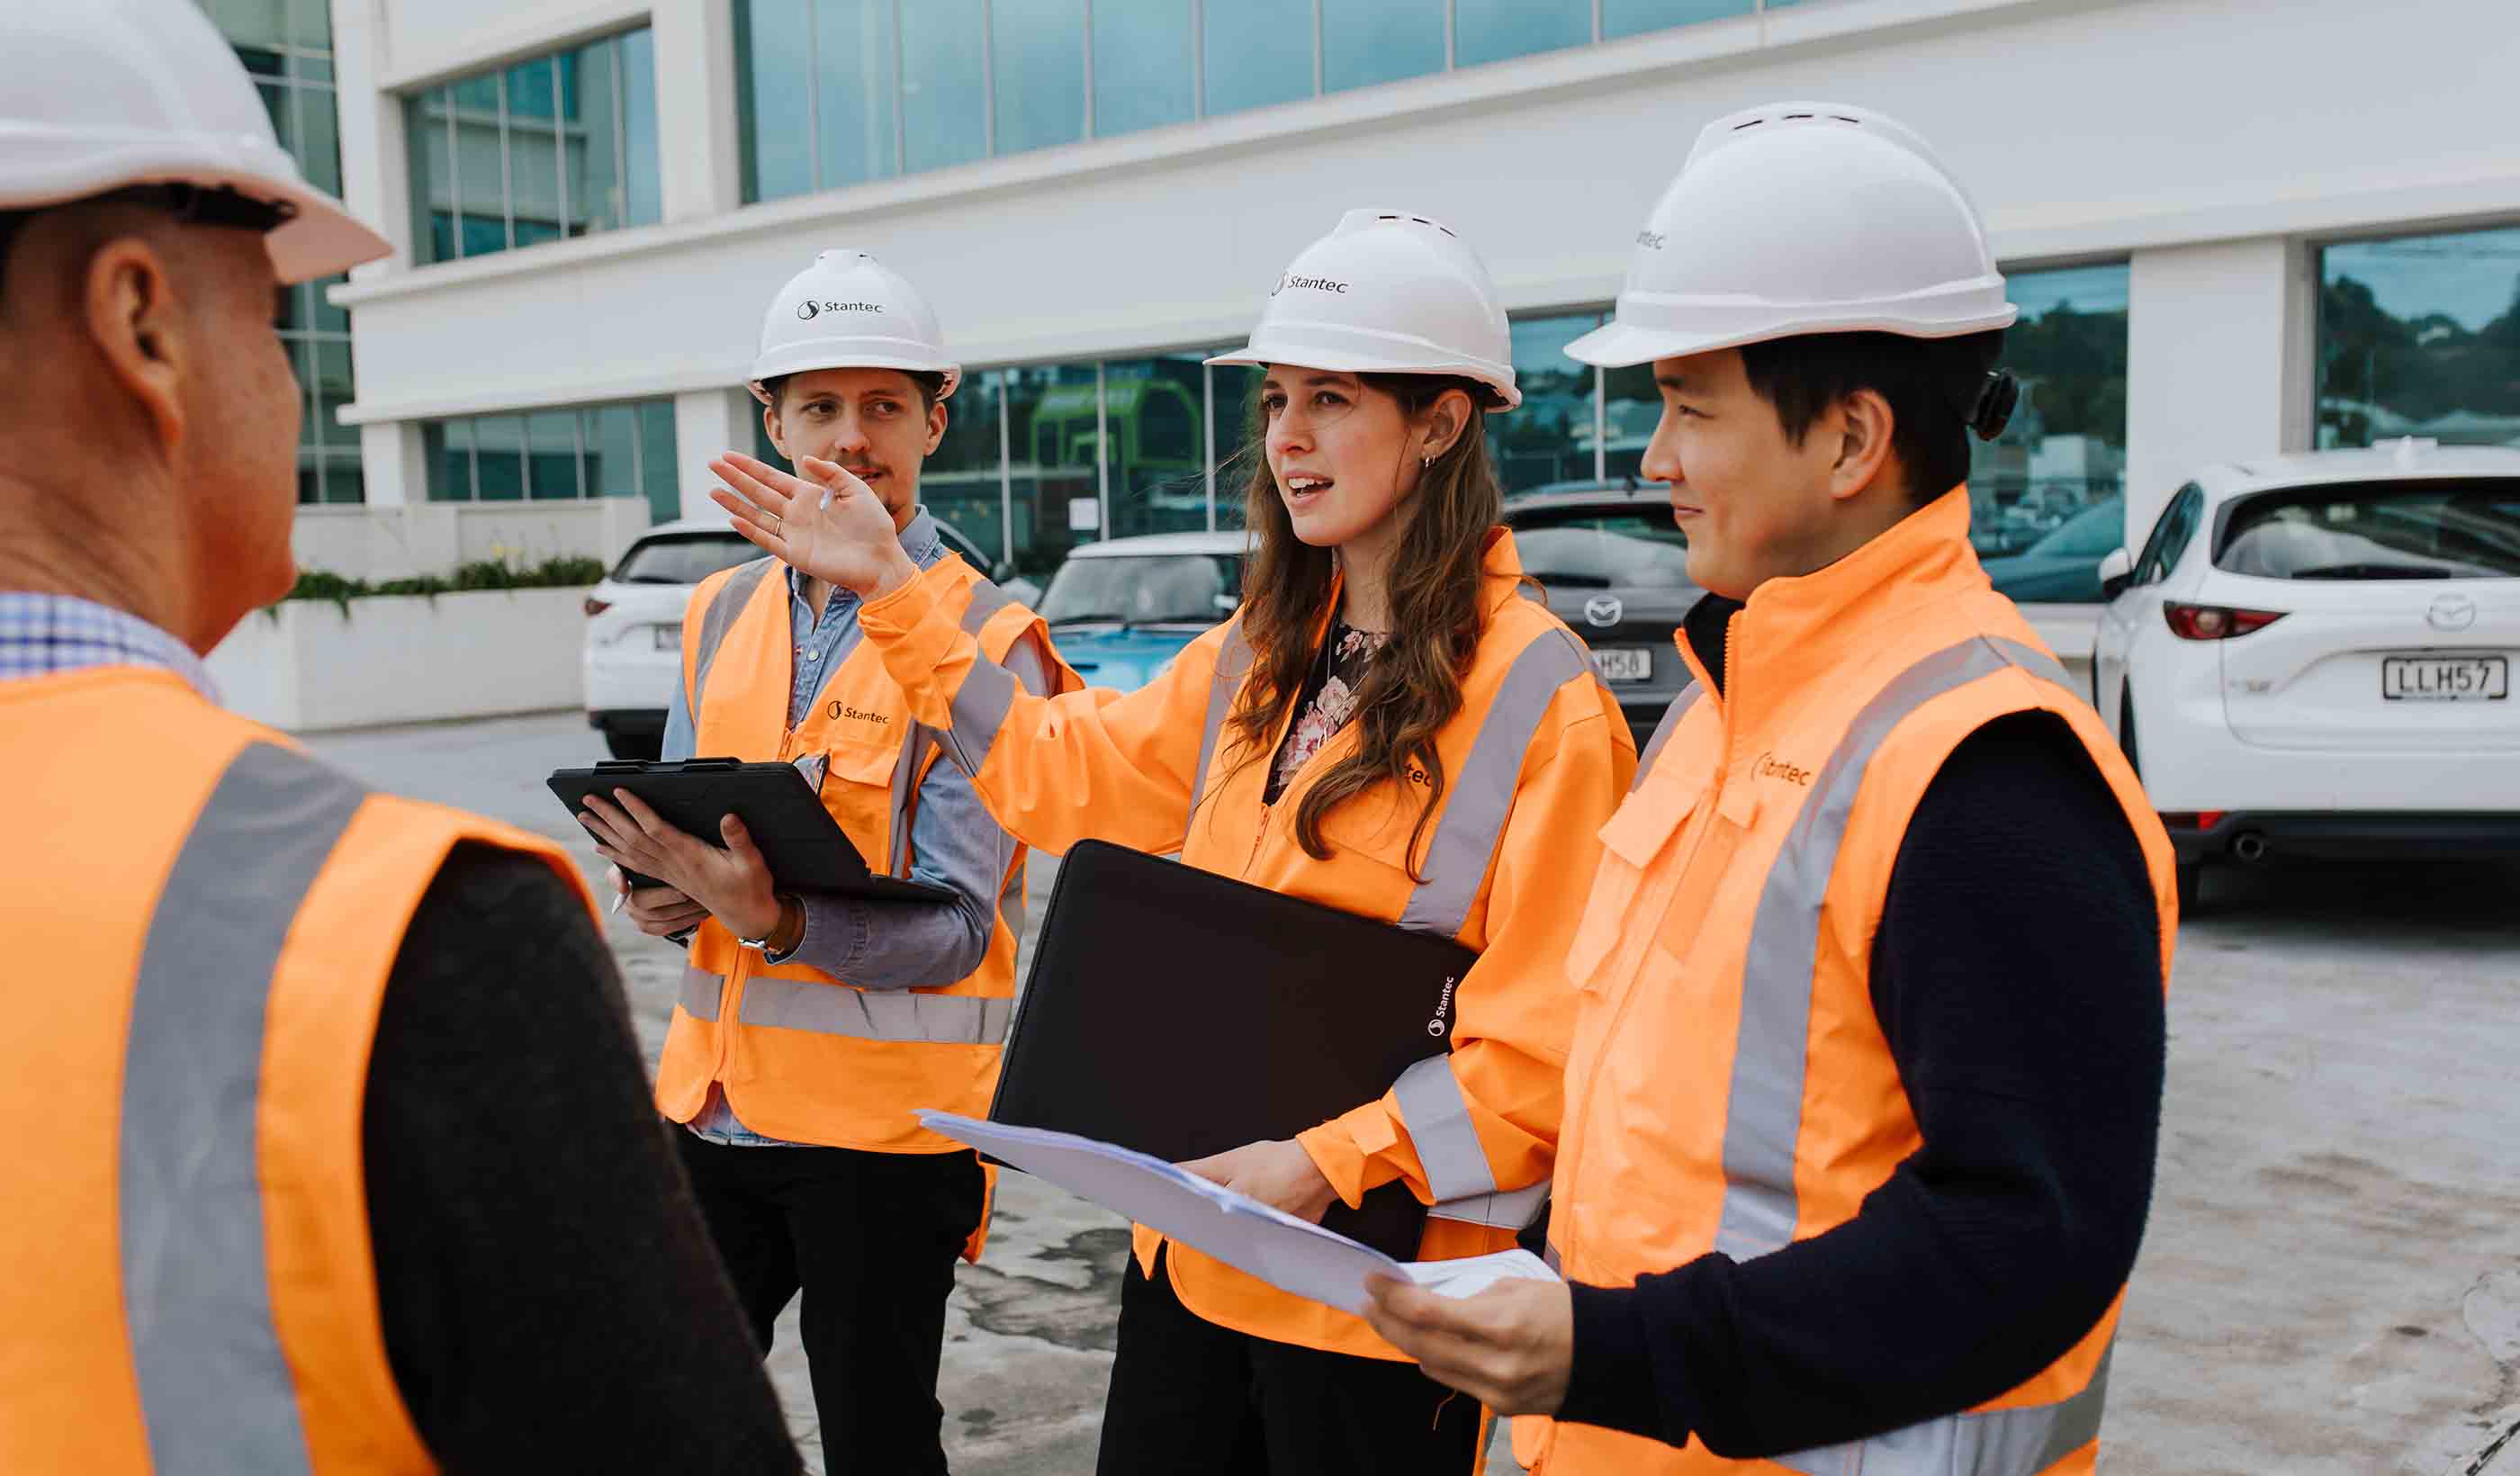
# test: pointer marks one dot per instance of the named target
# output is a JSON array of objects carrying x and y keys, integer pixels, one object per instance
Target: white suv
[
  {"x": 2312, "y": 656},
  {"x": 634, "y": 623}
]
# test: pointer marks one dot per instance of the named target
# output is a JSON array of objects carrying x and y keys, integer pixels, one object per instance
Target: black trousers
[
  {"x": 872, "y": 1239},
  {"x": 1190, "y": 1397}
]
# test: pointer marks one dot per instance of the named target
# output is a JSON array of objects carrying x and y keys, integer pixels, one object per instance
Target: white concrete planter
[{"x": 306, "y": 665}]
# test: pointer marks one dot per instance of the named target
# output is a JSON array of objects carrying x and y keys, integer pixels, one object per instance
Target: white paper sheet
[{"x": 1287, "y": 1253}]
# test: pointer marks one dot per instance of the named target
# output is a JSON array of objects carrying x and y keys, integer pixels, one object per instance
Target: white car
[
  {"x": 634, "y": 623},
  {"x": 2312, "y": 655}
]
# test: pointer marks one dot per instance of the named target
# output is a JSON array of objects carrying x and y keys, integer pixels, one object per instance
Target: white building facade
[{"x": 2236, "y": 227}]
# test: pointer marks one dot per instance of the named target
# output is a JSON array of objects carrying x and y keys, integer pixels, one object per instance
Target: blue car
[{"x": 1121, "y": 610}]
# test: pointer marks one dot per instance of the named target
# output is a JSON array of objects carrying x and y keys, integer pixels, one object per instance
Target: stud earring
[{"x": 1425, "y": 461}]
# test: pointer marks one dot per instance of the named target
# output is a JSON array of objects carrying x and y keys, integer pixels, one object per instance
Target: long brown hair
[{"x": 1413, "y": 685}]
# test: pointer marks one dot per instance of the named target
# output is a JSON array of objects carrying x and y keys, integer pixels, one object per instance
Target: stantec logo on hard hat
[
  {"x": 1308, "y": 284},
  {"x": 1651, "y": 241},
  {"x": 809, "y": 309}
]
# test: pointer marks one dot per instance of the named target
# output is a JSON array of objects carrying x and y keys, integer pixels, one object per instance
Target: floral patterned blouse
[{"x": 1328, "y": 700}]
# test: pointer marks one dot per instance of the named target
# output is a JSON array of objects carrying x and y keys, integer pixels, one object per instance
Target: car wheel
[
  {"x": 621, "y": 745},
  {"x": 2126, "y": 730}
]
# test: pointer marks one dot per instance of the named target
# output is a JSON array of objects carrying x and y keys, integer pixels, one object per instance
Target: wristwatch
[{"x": 761, "y": 945}]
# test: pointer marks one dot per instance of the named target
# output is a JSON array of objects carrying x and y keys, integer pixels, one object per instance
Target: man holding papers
[{"x": 1866, "y": 1085}]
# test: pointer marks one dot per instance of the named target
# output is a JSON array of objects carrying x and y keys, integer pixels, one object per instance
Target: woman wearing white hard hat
[
  {"x": 1388, "y": 727},
  {"x": 334, "y": 1150},
  {"x": 1861, "y": 1106},
  {"x": 810, "y": 1027}
]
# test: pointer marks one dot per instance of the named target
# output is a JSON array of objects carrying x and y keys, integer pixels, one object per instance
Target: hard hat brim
[
  {"x": 805, "y": 358},
  {"x": 323, "y": 239},
  {"x": 1624, "y": 345},
  {"x": 1261, "y": 356}
]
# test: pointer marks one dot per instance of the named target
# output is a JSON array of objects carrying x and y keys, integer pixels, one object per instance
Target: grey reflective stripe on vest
[
  {"x": 874, "y": 1015},
  {"x": 215, "y": 1390},
  {"x": 1233, "y": 664},
  {"x": 1447, "y": 1149},
  {"x": 720, "y": 617},
  {"x": 1762, "y": 1115},
  {"x": 1478, "y": 797},
  {"x": 1993, "y": 1443},
  {"x": 986, "y": 601},
  {"x": 1663, "y": 730},
  {"x": 702, "y": 990}
]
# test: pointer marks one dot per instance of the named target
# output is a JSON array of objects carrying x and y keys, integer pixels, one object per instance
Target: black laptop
[{"x": 1181, "y": 1013}]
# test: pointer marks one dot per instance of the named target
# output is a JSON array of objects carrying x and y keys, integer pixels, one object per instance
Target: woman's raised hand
[{"x": 832, "y": 526}]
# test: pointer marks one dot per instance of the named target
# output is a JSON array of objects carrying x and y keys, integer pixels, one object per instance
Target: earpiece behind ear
[{"x": 1996, "y": 399}]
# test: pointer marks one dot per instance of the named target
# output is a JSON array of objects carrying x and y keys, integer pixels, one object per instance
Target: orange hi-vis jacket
[
  {"x": 206, "y": 919},
  {"x": 1730, "y": 1088},
  {"x": 1535, "y": 760},
  {"x": 802, "y": 1056}
]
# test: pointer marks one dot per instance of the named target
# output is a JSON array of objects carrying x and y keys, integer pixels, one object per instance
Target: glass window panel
[
  {"x": 773, "y": 70},
  {"x": 302, "y": 364},
  {"x": 1369, "y": 41},
  {"x": 310, "y": 68},
  {"x": 1259, "y": 52},
  {"x": 319, "y": 148},
  {"x": 478, "y": 93},
  {"x": 1158, "y": 447},
  {"x": 310, "y": 24},
  {"x": 1550, "y": 438},
  {"x": 532, "y": 90},
  {"x": 1629, "y": 17},
  {"x": 2049, "y": 487},
  {"x": 943, "y": 105},
  {"x": 424, "y": 129},
  {"x": 483, "y": 234},
  {"x": 1142, "y": 64},
  {"x": 853, "y": 60},
  {"x": 258, "y": 23},
  {"x": 262, "y": 63},
  {"x": 1050, "y": 432},
  {"x": 1039, "y": 69},
  {"x": 1493, "y": 31},
  {"x": 332, "y": 385},
  {"x": 345, "y": 481},
  {"x": 643, "y": 185},
  {"x": 2421, "y": 335},
  {"x": 329, "y": 316},
  {"x": 499, "y": 456},
  {"x": 612, "y": 451},
  {"x": 550, "y": 448},
  {"x": 596, "y": 198},
  {"x": 275, "y": 104},
  {"x": 536, "y": 232},
  {"x": 447, "y": 448},
  {"x": 1631, "y": 410},
  {"x": 479, "y": 178},
  {"x": 660, "y": 476},
  {"x": 959, "y": 480},
  {"x": 1233, "y": 412}
]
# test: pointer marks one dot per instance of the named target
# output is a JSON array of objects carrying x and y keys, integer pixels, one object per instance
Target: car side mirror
[{"x": 2117, "y": 571}]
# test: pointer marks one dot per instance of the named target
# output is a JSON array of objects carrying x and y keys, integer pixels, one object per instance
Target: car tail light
[
  {"x": 2214, "y": 622},
  {"x": 595, "y": 607},
  {"x": 2191, "y": 820}
]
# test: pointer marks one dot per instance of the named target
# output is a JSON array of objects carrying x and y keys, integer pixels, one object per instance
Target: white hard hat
[
  {"x": 1802, "y": 219},
  {"x": 850, "y": 311},
  {"x": 1387, "y": 293},
  {"x": 100, "y": 95}
]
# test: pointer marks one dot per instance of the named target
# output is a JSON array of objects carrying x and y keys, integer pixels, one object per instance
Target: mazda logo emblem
[
  {"x": 2452, "y": 612},
  {"x": 1604, "y": 610}
]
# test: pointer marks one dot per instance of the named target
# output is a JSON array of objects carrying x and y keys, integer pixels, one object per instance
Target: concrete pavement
[{"x": 2330, "y": 1286}]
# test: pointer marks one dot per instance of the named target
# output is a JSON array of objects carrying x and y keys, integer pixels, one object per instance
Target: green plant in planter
[{"x": 573, "y": 573}]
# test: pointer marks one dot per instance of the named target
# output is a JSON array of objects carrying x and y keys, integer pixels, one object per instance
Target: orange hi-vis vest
[
  {"x": 1534, "y": 764},
  {"x": 1730, "y": 1088},
  {"x": 802, "y": 1056},
  {"x": 204, "y": 920}
]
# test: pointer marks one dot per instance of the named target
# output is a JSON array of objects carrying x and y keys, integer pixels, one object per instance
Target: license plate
[
  {"x": 1632, "y": 663},
  {"x": 2445, "y": 679},
  {"x": 668, "y": 636}
]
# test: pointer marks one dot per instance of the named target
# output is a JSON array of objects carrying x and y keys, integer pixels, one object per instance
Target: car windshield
[
  {"x": 1598, "y": 548},
  {"x": 2445, "y": 529},
  {"x": 2095, "y": 532},
  {"x": 682, "y": 557},
  {"x": 1145, "y": 589}
]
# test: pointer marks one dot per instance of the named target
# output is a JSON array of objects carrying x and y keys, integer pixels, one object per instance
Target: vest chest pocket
[
  {"x": 1610, "y": 940},
  {"x": 857, "y": 788}
]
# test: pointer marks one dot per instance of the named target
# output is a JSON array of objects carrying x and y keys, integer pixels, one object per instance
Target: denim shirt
[{"x": 955, "y": 843}]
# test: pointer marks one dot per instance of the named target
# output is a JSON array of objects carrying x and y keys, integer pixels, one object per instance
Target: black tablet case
[
  {"x": 1181, "y": 1013},
  {"x": 806, "y": 849}
]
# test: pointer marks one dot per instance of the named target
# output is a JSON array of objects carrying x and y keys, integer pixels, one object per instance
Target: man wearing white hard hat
[
  {"x": 1388, "y": 726},
  {"x": 334, "y": 1151},
  {"x": 811, "y": 1028},
  {"x": 1865, "y": 1083}
]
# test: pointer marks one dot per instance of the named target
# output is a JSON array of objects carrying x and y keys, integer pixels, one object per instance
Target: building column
[
  {"x": 395, "y": 462},
  {"x": 696, "y": 149},
  {"x": 708, "y": 424},
  {"x": 2217, "y": 363},
  {"x": 376, "y": 158}
]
